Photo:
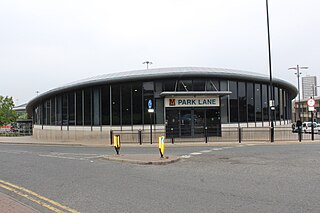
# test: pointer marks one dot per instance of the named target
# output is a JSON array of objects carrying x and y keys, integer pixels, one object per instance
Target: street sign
[
  {"x": 149, "y": 104},
  {"x": 311, "y": 102}
]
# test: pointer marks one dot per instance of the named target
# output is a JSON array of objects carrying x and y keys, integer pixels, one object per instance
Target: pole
[
  {"x": 270, "y": 74},
  {"x": 150, "y": 128},
  {"x": 312, "y": 127},
  {"x": 299, "y": 99}
]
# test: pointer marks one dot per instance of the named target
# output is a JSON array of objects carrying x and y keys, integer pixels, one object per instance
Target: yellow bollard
[
  {"x": 116, "y": 143},
  {"x": 161, "y": 145}
]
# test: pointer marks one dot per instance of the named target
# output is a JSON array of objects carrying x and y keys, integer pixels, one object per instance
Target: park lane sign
[{"x": 212, "y": 101}]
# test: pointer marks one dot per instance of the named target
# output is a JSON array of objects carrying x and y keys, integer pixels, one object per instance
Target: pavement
[{"x": 10, "y": 205}]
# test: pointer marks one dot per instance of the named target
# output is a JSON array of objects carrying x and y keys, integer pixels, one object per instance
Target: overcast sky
[{"x": 45, "y": 44}]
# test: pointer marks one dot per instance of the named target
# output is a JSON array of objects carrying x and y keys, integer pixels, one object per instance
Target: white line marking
[
  {"x": 196, "y": 153},
  {"x": 185, "y": 156},
  {"x": 206, "y": 151},
  {"x": 61, "y": 157},
  {"x": 216, "y": 149}
]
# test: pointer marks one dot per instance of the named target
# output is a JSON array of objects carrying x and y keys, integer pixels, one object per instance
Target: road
[{"x": 260, "y": 178}]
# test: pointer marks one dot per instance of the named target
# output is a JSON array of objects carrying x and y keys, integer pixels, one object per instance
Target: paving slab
[{"x": 10, "y": 205}]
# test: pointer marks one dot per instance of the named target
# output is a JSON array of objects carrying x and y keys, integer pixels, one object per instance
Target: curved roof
[{"x": 161, "y": 73}]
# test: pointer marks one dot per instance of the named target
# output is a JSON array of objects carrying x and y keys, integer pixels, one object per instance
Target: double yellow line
[{"x": 43, "y": 201}]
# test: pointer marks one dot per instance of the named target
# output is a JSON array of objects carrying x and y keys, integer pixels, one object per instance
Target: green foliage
[
  {"x": 7, "y": 114},
  {"x": 22, "y": 115}
]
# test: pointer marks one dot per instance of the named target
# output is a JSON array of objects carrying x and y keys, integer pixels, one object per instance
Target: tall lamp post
[
  {"x": 298, "y": 73},
  {"x": 150, "y": 105},
  {"x": 147, "y": 63},
  {"x": 271, "y": 102}
]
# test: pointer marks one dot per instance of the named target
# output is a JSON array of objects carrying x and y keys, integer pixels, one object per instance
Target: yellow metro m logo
[{"x": 172, "y": 102}]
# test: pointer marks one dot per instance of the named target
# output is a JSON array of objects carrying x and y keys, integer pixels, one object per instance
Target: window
[
  {"x": 213, "y": 85},
  {"x": 257, "y": 98},
  {"x": 265, "y": 104},
  {"x": 53, "y": 111},
  {"x": 250, "y": 101},
  {"x": 185, "y": 85},
  {"x": 64, "y": 109},
  {"x": 126, "y": 104},
  {"x": 79, "y": 108},
  {"x": 71, "y": 107},
  {"x": 242, "y": 101},
  {"x": 59, "y": 111},
  {"x": 199, "y": 85},
  {"x": 233, "y": 101},
  {"x": 115, "y": 89},
  {"x": 96, "y": 106},
  {"x": 224, "y": 103},
  {"x": 105, "y": 104},
  {"x": 137, "y": 103},
  {"x": 169, "y": 85},
  {"x": 87, "y": 107}
]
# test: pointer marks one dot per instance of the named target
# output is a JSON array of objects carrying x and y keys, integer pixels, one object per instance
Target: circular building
[{"x": 178, "y": 102}]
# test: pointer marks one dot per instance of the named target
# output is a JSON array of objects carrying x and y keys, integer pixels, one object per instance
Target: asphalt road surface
[{"x": 260, "y": 178}]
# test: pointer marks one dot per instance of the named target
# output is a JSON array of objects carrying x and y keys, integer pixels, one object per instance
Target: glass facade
[{"x": 127, "y": 104}]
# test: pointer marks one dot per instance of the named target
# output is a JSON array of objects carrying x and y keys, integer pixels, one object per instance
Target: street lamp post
[
  {"x": 150, "y": 105},
  {"x": 298, "y": 73},
  {"x": 147, "y": 63},
  {"x": 271, "y": 102}
]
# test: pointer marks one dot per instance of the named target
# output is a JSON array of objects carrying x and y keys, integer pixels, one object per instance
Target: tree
[{"x": 7, "y": 114}]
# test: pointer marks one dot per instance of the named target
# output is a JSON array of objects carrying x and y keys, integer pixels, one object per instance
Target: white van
[{"x": 307, "y": 126}]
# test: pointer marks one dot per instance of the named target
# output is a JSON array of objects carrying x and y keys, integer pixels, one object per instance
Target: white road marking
[
  {"x": 185, "y": 156},
  {"x": 216, "y": 149},
  {"x": 206, "y": 151},
  {"x": 196, "y": 153}
]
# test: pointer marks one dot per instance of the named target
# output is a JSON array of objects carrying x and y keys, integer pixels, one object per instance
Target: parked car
[
  {"x": 307, "y": 127},
  {"x": 317, "y": 129}
]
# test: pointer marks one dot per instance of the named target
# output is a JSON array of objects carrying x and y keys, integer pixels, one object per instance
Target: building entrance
[{"x": 193, "y": 122}]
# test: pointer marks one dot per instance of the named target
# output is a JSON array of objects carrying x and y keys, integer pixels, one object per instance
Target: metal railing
[{"x": 228, "y": 134}]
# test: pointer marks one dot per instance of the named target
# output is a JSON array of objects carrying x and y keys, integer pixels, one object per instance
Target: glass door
[
  {"x": 185, "y": 123},
  {"x": 198, "y": 122}
]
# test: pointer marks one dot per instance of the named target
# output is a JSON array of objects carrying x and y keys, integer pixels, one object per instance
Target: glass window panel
[
  {"x": 105, "y": 104},
  {"x": 126, "y": 104},
  {"x": 96, "y": 106},
  {"x": 160, "y": 111},
  {"x": 276, "y": 102},
  {"x": 137, "y": 103},
  {"x": 213, "y": 85},
  {"x": 224, "y": 103},
  {"x": 281, "y": 106},
  {"x": 44, "y": 113},
  {"x": 115, "y": 89},
  {"x": 199, "y": 85},
  {"x": 79, "y": 108},
  {"x": 250, "y": 101},
  {"x": 169, "y": 85},
  {"x": 64, "y": 109},
  {"x": 71, "y": 109},
  {"x": 87, "y": 107},
  {"x": 53, "y": 111},
  {"x": 257, "y": 99},
  {"x": 185, "y": 85},
  {"x": 265, "y": 104},
  {"x": 233, "y": 101},
  {"x": 148, "y": 88},
  {"x": 242, "y": 101}
]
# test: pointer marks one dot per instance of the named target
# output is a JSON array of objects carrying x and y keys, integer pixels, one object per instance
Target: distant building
[
  {"x": 305, "y": 114},
  {"x": 308, "y": 87}
]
